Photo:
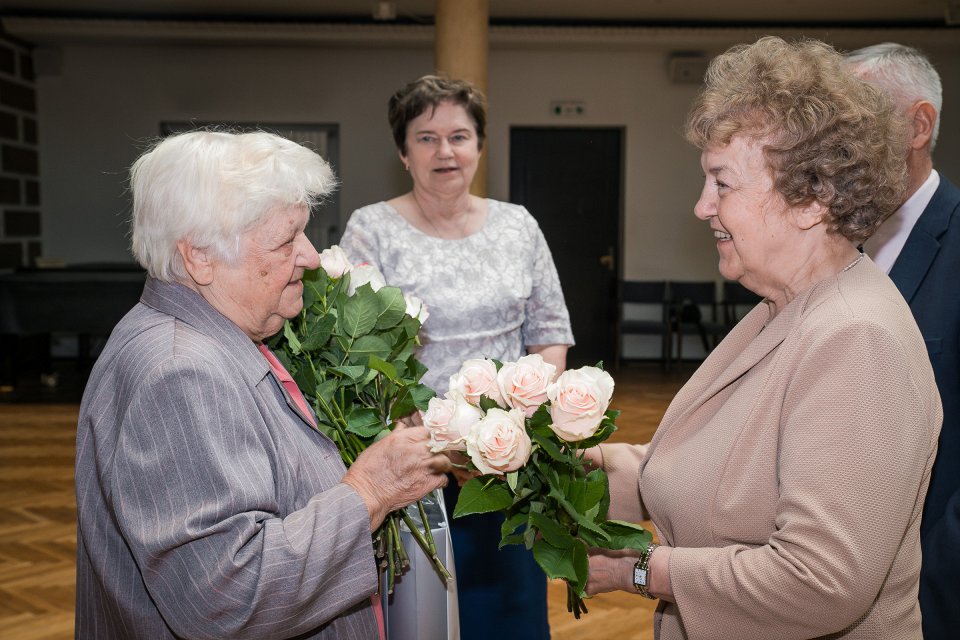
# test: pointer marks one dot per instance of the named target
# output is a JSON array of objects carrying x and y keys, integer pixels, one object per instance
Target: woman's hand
[
  {"x": 609, "y": 572},
  {"x": 397, "y": 471},
  {"x": 462, "y": 475}
]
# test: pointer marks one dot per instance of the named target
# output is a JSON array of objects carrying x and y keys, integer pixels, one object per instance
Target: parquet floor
[{"x": 38, "y": 518}]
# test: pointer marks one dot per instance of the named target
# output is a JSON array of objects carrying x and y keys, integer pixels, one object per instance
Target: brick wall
[{"x": 19, "y": 163}]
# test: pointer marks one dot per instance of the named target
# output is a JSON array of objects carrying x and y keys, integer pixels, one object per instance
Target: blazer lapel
[
  {"x": 923, "y": 243},
  {"x": 745, "y": 346}
]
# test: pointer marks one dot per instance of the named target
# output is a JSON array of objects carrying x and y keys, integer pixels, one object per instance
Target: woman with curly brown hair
[{"x": 786, "y": 479}]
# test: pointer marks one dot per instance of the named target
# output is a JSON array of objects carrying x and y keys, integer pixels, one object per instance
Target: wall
[
  {"x": 20, "y": 227},
  {"x": 106, "y": 100}
]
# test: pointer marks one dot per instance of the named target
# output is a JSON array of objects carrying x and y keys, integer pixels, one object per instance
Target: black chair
[
  {"x": 737, "y": 301},
  {"x": 693, "y": 311},
  {"x": 653, "y": 296}
]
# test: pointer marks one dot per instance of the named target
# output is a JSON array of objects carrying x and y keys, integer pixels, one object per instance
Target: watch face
[{"x": 640, "y": 576}]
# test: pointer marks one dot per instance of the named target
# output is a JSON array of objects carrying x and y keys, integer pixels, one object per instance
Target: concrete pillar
[{"x": 461, "y": 51}]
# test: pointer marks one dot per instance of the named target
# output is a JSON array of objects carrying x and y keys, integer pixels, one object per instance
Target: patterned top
[{"x": 489, "y": 295}]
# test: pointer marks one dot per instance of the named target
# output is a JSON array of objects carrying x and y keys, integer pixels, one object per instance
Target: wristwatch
[{"x": 641, "y": 572}]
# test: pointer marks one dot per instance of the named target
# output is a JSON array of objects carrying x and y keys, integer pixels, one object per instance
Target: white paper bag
[{"x": 422, "y": 607}]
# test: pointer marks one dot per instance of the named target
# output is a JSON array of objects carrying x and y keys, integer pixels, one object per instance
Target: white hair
[
  {"x": 210, "y": 186},
  {"x": 903, "y": 72}
]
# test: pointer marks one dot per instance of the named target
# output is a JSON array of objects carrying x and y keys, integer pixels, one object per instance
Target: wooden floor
[{"x": 38, "y": 518}]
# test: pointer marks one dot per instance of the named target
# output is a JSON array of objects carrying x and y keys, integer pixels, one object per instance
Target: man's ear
[
  {"x": 922, "y": 123},
  {"x": 196, "y": 261}
]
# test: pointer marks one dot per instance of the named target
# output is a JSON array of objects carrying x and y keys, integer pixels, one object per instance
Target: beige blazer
[{"x": 789, "y": 472}]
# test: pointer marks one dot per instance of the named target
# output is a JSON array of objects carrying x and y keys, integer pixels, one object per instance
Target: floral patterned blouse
[{"x": 489, "y": 295}]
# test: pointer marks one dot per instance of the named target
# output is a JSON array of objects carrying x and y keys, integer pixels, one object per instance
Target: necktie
[{"x": 287, "y": 381}]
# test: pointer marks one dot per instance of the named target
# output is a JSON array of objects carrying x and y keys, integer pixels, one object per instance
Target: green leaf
[
  {"x": 549, "y": 445},
  {"x": 363, "y": 422},
  {"x": 580, "y": 519},
  {"x": 352, "y": 373},
  {"x": 411, "y": 398},
  {"x": 392, "y": 307},
  {"x": 366, "y": 346},
  {"x": 292, "y": 340},
  {"x": 597, "y": 487},
  {"x": 359, "y": 312},
  {"x": 570, "y": 563},
  {"x": 512, "y": 481},
  {"x": 383, "y": 367},
  {"x": 326, "y": 389},
  {"x": 479, "y": 496},
  {"x": 620, "y": 535},
  {"x": 486, "y": 404},
  {"x": 510, "y": 524},
  {"x": 551, "y": 531},
  {"x": 318, "y": 333}
]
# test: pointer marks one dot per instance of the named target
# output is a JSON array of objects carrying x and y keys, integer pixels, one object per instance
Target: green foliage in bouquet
[
  {"x": 353, "y": 358},
  {"x": 554, "y": 505}
]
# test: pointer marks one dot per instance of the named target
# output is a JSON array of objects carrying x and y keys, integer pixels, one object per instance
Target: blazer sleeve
[
  {"x": 856, "y": 439},
  {"x": 622, "y": 465},
  {"x": 194, "y": 490}
]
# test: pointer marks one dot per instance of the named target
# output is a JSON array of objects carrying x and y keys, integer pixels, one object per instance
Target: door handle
[{"x": 606, "y": 261}]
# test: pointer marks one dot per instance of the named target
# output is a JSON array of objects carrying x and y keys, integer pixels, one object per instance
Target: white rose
[
  {"x": 335, "y": 262},
  {"x": 499, "y": 443},
  {"x": 449, "y": 420},
  {"x": 416, "y": 308},
  {"x": 578, "y": 400},
  {"x": 365, "y": 274},
  {"x": 476, "y": 378},
  {"x": 523, "y": 384}
]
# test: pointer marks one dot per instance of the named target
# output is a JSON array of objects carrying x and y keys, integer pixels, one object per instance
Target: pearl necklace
[{"x": 853, "y": 264}]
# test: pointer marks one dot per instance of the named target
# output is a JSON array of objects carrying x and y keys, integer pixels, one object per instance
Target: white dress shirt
[{"x": 885, "y": 245}]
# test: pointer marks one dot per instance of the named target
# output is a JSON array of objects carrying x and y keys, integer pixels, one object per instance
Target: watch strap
[{"x": 641, "y": 572}]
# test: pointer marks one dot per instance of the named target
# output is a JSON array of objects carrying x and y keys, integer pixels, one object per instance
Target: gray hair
[
  {"x": 903, "y": 72},
  {"x": 210, "y": 186}
]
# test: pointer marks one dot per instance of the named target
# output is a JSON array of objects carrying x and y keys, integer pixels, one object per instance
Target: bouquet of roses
[
  {"x": 351, "y": 353},
  {"x": 524, "y": 433}
]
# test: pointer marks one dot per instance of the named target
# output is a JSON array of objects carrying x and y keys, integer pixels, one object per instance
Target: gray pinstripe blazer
[{"x": 207, "y": 507}]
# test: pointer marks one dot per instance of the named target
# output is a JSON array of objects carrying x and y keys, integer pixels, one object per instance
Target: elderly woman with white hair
[{"x": 209, "y": 506}]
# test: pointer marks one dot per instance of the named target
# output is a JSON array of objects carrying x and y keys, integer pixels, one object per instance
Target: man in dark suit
[{"x": 919, "y": 246}]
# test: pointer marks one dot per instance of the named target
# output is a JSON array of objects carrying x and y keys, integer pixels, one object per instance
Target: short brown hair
[
  {"x": 428, "y": 92},
  {"x": 830, "y": 136}
]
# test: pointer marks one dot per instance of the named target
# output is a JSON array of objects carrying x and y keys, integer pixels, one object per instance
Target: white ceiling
[{"x": 887, "y": 12}]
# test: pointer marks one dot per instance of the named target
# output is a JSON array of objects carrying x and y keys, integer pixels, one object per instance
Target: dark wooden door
[{"x": 571, "y": 181}]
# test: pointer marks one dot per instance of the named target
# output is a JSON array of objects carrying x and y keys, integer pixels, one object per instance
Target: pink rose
[
  {"x": 335, "y": 261},
  {"x": 523, "y": 384},
  {"x": 499, "y": 443},
  {"x": 476, "y": 378},
  {"x": 578, "y": 400},
  {"x": 449, "y": 420}
]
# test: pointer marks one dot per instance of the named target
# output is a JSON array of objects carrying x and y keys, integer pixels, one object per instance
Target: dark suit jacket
[
  {"x": 927, "y": 272},
  {"x": 207, "y": 506}
]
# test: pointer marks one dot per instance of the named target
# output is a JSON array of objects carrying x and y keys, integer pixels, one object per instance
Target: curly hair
[
  {"x": 828, "y": 136},
  {"x": 427, "y": 92}
]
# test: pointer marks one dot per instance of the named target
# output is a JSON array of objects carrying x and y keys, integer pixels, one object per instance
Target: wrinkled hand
[
  {"x": 610, "y": 572},
  {"x": 397, "y": 471}
]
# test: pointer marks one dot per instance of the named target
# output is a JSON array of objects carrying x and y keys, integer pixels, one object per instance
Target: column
[{"x": 461, "y": 51}]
